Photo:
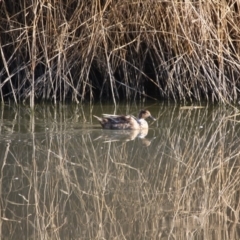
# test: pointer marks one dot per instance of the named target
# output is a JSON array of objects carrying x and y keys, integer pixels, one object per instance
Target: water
[{"x": 63, "y": 177}]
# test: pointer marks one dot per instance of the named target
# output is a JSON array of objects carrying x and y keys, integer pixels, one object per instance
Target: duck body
[{"x": 125, "y": 122}]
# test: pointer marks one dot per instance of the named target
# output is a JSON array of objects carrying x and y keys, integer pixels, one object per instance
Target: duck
[{"x": 125, "y": 122}]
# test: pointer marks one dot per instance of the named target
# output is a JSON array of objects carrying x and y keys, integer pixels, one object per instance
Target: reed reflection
[{"x": 61, "y": 176}]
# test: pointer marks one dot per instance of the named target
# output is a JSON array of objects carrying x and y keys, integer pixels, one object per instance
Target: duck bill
[{"x": 154, "y": 119}]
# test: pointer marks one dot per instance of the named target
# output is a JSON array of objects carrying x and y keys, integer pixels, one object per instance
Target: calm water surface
[{"x": 63, "y": 177}]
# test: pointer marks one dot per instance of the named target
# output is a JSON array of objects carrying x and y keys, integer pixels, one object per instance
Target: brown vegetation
[{"x": 58, "y": 50}]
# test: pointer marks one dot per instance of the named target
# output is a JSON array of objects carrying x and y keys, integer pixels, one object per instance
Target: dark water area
[{"x": 63, "y": 177}]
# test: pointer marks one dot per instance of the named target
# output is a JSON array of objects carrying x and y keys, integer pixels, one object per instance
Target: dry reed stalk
[{"x": 129, "y": 49}]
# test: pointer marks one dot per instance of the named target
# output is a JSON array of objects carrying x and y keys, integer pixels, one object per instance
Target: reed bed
[
  {"x": 59, "y": 182},
  {"x": 97, "y": 50}
]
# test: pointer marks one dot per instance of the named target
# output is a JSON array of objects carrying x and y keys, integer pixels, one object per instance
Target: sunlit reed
[{"x": 88, "y": 50}]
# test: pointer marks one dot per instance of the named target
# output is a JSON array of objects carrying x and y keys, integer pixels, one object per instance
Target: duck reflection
[{"x": 124, "y": 136}]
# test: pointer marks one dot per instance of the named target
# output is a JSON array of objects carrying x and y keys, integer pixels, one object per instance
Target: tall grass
[{"x": 86, "y": 50}]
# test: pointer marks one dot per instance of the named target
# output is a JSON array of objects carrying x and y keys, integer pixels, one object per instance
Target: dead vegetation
[{"x": 86, "y": 50}]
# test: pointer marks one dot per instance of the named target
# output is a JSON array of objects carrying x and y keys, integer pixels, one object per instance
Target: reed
[{"x": 59, "y": 50}]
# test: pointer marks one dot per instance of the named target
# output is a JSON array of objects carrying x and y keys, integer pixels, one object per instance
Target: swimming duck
[{"x": 123, "y": 122}]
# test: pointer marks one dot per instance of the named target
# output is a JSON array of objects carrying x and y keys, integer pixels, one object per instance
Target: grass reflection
[{"x": 61, "y": 181}]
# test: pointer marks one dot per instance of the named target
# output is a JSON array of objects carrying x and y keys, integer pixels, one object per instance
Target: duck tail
[{"x": 98, "y": 118}]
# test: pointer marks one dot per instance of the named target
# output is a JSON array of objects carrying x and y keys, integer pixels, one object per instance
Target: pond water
[{"x": 63, "y": 177}]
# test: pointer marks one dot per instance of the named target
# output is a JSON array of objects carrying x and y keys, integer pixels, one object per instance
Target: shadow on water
[{"x": 63, "y": 177}]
